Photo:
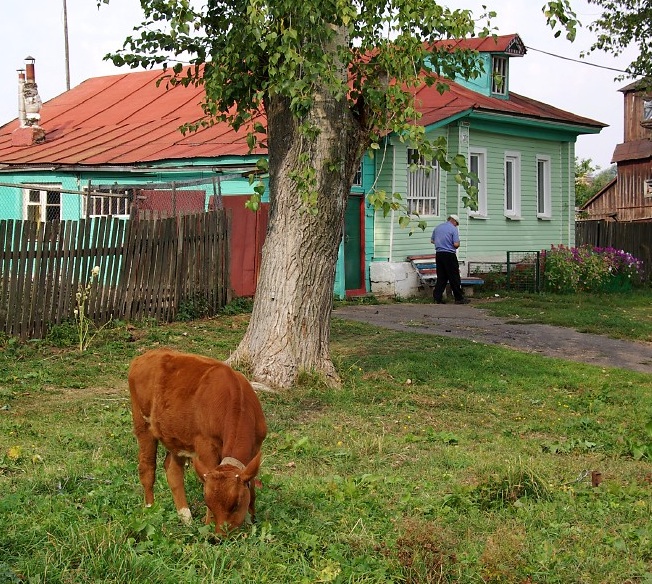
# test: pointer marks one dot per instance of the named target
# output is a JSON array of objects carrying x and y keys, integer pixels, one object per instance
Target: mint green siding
[
  {"x": 391, "y": 242},
  {"x": 489, "y": 237}
]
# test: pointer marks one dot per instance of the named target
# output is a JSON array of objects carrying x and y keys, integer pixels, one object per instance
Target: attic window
[
  {"x": 647, "y": 111},
  {"x": 499, "y": 68},
  {"x": 648, "y": 189}
]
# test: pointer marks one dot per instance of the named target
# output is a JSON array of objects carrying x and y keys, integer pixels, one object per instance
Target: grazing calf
[{"x": 203, "y": 411}]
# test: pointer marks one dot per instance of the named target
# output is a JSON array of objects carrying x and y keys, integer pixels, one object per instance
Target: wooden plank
[
  {"x": 163, "y": 288},
  {"x": 5, "y": 274},
  {"x": 98, "y": 257},
  {"x": 38, "y": 326},
  {"x": 68, "y": 288},
  {"x": 52, "y": 270},
  {"x": 113, "y": 267},
  {"x": 30, "y": 243},
  {"x": 14, "y": 272}
]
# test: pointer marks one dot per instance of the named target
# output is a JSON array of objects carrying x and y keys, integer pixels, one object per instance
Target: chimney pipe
[
  {"x": 21, "y": 98},
  {"x": 29, "y": 69},
  {"x": 33, "y": 101},
  {"x": 29, "y": 105}
]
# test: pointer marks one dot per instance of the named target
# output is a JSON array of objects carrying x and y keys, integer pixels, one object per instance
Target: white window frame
[
  {"x": 544, "y": 187},
  {"x": 647, "y": 110},
  {"x": 41, "y": 208},
  {"x": 512, "y": 185},
  {"x": 107, "y": 205},
  {"x": 422, "y": 185},
  {"x": 357, "y": 177},
  {"x": 499, "y": 73},
  {"x": 481, "y": 155},
  {"x": 647, "y": 188}
]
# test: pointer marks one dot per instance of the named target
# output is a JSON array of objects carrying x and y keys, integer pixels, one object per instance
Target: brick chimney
[{"x": 29, "y": 105}]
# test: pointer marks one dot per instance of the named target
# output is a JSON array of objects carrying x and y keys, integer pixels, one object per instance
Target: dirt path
[{"x": 472, "y": 323}]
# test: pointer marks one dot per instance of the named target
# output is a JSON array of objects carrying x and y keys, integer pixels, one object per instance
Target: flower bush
[{"x": 590, "y": 269}]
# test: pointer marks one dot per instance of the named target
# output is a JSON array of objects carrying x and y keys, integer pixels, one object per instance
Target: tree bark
[{"x": 289, "y": 330}]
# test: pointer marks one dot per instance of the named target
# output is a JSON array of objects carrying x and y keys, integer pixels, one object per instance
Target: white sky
[{"x": 35, "y": 28}]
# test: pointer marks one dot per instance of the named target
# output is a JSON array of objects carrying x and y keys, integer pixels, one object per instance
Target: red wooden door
[{"x": 248, "y": 229}]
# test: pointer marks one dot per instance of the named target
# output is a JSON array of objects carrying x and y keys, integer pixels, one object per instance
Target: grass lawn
[
  {"x": 622, "y": 316},
  {"x": 439, "y": 460}
]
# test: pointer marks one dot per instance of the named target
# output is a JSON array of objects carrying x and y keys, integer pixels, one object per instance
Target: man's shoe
[
  {"x": 439, "y": 302},
  {"x": 463, "y": 301}
]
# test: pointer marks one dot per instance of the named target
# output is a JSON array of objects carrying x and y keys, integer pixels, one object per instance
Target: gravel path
[{"x": 473, "y": 323}]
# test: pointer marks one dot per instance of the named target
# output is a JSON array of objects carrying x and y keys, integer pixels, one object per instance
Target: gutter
[{"x": 517, "y": 120}]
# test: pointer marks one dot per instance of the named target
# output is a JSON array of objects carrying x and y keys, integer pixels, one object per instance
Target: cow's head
[{"x": 227, "y": 492}]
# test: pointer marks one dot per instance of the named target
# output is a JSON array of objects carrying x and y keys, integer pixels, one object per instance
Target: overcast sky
[{"x": 35, "y": 28}]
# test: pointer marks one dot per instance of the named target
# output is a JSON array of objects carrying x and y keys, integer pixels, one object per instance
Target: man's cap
[{"x": 454, "y": 218}]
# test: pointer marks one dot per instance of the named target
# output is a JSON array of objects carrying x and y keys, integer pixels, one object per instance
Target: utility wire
[{"x": 576, "y": 60}]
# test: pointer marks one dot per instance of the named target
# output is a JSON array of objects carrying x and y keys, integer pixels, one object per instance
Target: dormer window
[
  {"x": 647, "y": 112},
  {"x": 499, "y": 69}
]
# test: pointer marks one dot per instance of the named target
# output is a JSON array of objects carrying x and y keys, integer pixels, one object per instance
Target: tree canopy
[
  {"x": 623, "y": 24},
  {"x": 331, "y": 79}
]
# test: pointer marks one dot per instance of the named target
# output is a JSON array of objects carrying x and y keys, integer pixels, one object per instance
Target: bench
[{"x": 426, "y": 268}]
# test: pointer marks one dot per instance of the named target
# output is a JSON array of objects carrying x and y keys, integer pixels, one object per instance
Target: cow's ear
[{"x": 251, "y": 470}]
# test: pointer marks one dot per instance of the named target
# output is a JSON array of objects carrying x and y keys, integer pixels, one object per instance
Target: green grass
[
  {"x": 439, "y": 460},
  {"x": 623, "y": 316}
]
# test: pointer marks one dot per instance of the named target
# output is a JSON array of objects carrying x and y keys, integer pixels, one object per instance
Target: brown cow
[{"x": 203, "y": 411}]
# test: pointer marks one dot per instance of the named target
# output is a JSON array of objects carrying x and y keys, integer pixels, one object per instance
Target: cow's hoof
[{"x": 185, "y": 515}]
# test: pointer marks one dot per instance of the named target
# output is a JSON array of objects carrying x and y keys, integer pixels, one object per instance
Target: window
[
  {"x": 512, "y": 185},
  {"x": 647, "y": 192},
  {"x": 422, "y": 185},
  {"x": 109, "y": 204},
  {"x": 478, "y": 166},
  {"x": 544, "y": 199},
  {"x": 41, "y": 204},
  {"x": 499, "y": 68},
  {"x": 357, "y": 179},
  {"x": 647, "y": 111}
]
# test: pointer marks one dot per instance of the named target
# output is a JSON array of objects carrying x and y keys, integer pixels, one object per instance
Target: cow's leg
[
  {"x": 147, "y": 445},
  {"x": 174, "y": 470}
]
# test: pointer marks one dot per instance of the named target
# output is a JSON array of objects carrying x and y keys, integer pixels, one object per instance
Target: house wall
[
  {"x": 630, "y": 202},
  {"x": 393, "y": 243},
  {"x": 485, "y": 239},
  {"x": 633, "y": 112},
  {"x": 489, "y": 237},
  {"x": 12, "y": 204},
  {"x": 368, "y": 175}
]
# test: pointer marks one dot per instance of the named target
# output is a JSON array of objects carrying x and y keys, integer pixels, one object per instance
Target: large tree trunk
[{"x": 289, "y": 331}]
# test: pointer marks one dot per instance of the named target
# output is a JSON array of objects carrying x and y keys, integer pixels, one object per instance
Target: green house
[
  {"x": 113, "y": 144},
  {"x": 523, "y": 153}
]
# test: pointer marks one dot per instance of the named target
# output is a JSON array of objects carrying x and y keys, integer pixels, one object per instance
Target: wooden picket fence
[{"x": 148, "y": 269}]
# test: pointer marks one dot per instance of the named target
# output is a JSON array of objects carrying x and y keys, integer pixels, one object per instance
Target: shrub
[{"x": 590, "y": 269}]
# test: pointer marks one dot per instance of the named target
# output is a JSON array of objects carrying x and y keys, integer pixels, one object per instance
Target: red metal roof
[
  {"x": 121, "y": 120},
  {"x": 127, "y": 119},
  {"x": 437, "y": 107},
  {"x": 509, "y": 43}
]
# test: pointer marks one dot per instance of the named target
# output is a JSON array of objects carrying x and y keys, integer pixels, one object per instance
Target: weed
[
  {"x": 238, "y": 306},
  {"x": 193, "y": 308},
  {"x": 511, "y": 488},
  {"x": 425, "y": 551}
]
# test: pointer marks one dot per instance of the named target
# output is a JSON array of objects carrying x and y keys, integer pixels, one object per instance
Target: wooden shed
[{"x": 629, "y": 196}]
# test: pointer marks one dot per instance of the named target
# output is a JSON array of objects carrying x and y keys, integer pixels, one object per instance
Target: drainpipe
[{"x": 391, "y": 226}]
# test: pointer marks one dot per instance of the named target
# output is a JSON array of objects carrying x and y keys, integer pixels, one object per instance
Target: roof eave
[{"x": 576, "y": 128}]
